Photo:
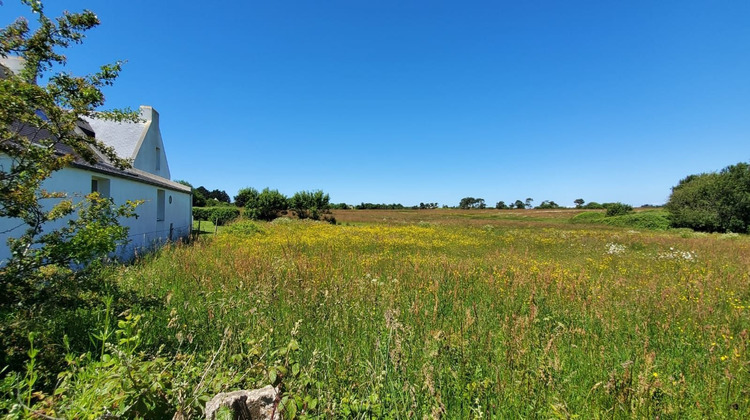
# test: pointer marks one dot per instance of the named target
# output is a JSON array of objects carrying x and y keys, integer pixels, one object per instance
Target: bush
[
  {"x": 310, "y": 204},
  {"x": 617, "y": 209},
  {"x": 592, "y": 206},
  {"x": 267, "y": 206},
  {"x": 548, "y": 205},
  {"x": 245, "y": 195},
  {"x": 654, "y": 219},
  {"x": 713, "y": 202},
  {"x": 217, "y": 215}
]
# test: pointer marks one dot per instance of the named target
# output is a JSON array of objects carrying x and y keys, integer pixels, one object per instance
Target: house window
[
  {"x": 158, "y": 159},
  {"x": 159, "y": 205},
  {"x": 100, "y": 185}
]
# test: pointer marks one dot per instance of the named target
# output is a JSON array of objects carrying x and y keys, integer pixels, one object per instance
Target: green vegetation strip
[{"x": 422, "y": 319}]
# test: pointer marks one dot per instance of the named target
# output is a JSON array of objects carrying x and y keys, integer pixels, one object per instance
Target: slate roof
[
  {"x": 118, "y": 135},
  {"x": 124, "y": 137},
  {"x": 102, "y": 165}
]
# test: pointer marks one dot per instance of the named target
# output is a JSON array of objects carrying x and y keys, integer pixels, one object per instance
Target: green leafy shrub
[
  {"x": 116, "y": 379},
  {"x": 618, "y": 209},
  {"x": 200, "y": 213},
  {"x": 245, "y": 196},
  {"x": 654, "y": 219},
  {"x": 546, "y": 205},
  {"x": 219, "y": 216},
  {"x": 713, "y": 202},
  {"x": 223, "y": 215},
  {"x": 310, "y": 204},
  {"x": 269, "y": 205}
]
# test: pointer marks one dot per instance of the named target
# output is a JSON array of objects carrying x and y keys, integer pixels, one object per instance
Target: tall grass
[{"x": 456, "y": 320}]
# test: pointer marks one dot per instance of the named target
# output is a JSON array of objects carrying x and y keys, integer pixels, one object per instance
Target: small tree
[
  {"x": 578, "y": 202},
  {"x": 35, "y": 123},
  {"x": 618, "y": 209},
  {"x": 268, "y": 206},
  {"x": 520, "y": 204},
  {"x": 219, "y": 195},
  {"x": 471, "y": 203},
  {"x": 713, "y": 202},
  {"x": 310, "y": 204},
  {"x": 593, "y": 205},
  {"x": 548, "y": 204},
  {"x": 245, "y": 196},
  {"x": 528, "y": 202},
  {"x": 501, "y": 205}
]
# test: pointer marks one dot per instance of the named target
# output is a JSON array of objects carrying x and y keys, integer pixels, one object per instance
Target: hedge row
[{"x": 216, "y": 215}]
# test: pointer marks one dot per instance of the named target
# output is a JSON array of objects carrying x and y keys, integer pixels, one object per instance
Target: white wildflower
[
  {"x": 676, "y": 254},
  {"x": 615, "y": 249}
]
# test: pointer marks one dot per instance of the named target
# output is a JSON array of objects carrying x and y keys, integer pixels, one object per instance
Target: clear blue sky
[{"x": 432, "y": 101}]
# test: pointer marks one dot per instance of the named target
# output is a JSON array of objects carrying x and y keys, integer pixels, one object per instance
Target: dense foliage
[
  {"x": 51, "y": 279},
  {"x": 310, "y": 204},
  {"x": 427, "y": 206},
  {"x": 36, "y": 122},
  {"x": 472, "y": 203},
  {"x": 617, "y": 209},
  {"x": 713, "y": 202},
  {"x": 268, "y": 205},
  {"x": 216, "y": 196},
  {"x": 382, "y": 206},
  {"x": 592, "y": 205},
  {"x": 218, "y": 215},
  {"x": 548, "y": 204},
  {"x": 651, "y": 219},
  {"x": 245, "y": 195}
]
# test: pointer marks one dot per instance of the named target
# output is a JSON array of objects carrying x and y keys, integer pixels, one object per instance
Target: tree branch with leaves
[{"x": 41, "y": 133}]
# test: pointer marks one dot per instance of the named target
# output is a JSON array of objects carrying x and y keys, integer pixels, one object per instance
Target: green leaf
[
  {"x": 290, "y": 409},
  {"x": 293, "y": 345}
]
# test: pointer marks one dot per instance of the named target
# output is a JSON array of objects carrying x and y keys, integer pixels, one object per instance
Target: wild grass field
[
  {"x": 431, "y": 314},
  {"x": 462, "y": 314}
]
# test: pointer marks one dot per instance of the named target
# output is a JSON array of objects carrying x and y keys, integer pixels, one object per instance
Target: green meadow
[{"x": 424, "y": 314}]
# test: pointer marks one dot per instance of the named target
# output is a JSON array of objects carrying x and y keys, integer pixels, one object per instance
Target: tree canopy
[
  {"x": 472, "y": 203},
  {"x": 41, "y": 132},
  {"x": 713, "y": 202}
]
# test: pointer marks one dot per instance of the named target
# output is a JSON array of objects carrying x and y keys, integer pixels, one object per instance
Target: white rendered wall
[
  {"x": 145, "y": 232},
  {"x": 151, "y": 156}
]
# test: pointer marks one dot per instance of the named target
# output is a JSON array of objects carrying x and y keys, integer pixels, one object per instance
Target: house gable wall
[
  {"x": 145, "y": 232},
  {"x": 149, "y": 153}
]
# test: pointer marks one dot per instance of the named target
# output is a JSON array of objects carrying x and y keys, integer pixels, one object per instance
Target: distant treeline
[
  {"x": 371, "y": 206},
  {"x": 203, "y": 197}
]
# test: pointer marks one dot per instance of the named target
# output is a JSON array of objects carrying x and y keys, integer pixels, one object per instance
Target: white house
[{"x": 166, "y": 212}]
